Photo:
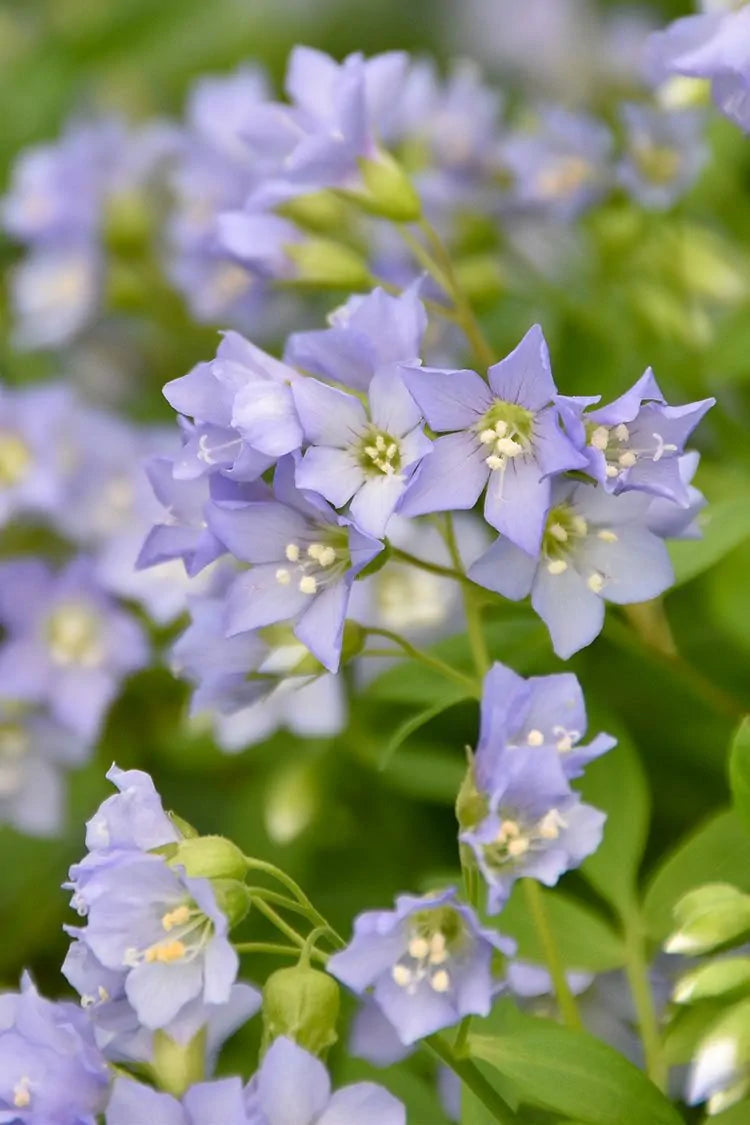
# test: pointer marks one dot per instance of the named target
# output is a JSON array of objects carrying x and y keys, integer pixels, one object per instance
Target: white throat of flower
[
  {"x": 15, "y": 458},
  {"x": 185, "y": 933},
  {"x": 516, "y": 838},
  {"x": 74, "y": 635},
  {"x": 620, "y": 455},
  {"x": 564, "y": 533},
  {"x": 313, "y": 566},
  {"x": 432, "y": 939}
]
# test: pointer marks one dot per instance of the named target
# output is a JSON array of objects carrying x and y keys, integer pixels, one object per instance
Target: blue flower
[
  {"x": 67, "y": 644},
  {"x": 365, "y": 335},
  {"x": 636, "y": 441},
  {"x": 664, "y": 153},
  {"x": 31, "y": 476},
  {"x": 595, "y": 546},
  {"x": 303, "y": 561},
  {"x": 134, "y": 817},
  {"x": 504, "y": 436},
  {"x": 543, "y": 712},
  {"x": 205, "y": 1103},
  {"x": 536, "y": 827},
  {"x": 428, "y": 962},
  {"x": 50, "y": 1067},
  {"x": 293, "y": 1088},
  {"x": 363, "y": 458}
]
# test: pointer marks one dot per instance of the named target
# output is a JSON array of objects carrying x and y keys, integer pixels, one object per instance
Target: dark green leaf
[
  {"x": 409, "y": 726},
  {"x": 739, "y": 772},
  {"x": 725, "y": 525},
  {"x": 584, "y": 941}
]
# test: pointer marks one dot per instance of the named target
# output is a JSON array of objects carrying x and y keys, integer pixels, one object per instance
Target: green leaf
[
  {"x": 573, "y": 1073},
  {"x": 739, "y": 1114},
  {"x": 725, "y": 525},
  {"x": 427, "y": 774},
  {"x": 616, "y": 784},
  {"x": 583, "y": 940},
  {"x": 739, "y": 771},
  {"x": 412, "y": 724},
  {"x": 708, "y": 917},
  {"x": 718, "y": 852}
]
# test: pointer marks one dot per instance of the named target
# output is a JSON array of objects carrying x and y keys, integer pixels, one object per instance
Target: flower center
[
  {"x": 657, "y": 163},
  {"x": 74, "y": 636},
  {"x": 379, "y": 454},
  {"x": 620, "y": 455},
  {"x": 433, "y": 938},
  {"x": 505, "y": 431},
  {"x": 515, "y": 839},
  {"x": 15, "y": 458},
  {"x": 564, "y": 531},
  {"x": 563, "y": 177},
  {"x": 184, "y": 932},
  {"x": 22, "y": 1093},
  {"x": 315, "y": 565},
  {"x": 14, "y": 745}
]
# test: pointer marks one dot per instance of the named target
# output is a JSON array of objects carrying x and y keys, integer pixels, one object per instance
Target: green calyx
[
  {"x": 302, "y": 1004},
  {"x": 378, "y": 453},
  {"x": 517, "y": 420},
  {"x": 564, "y": 527},
  {"x": 444, "y": 920}
]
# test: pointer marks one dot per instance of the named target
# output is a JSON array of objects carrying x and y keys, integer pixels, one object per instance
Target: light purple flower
[
  {"x": 536, "y": 827},
  {"x": 561, "y": 168},
  {"x": 636, "y": 441},
  {"x": 520, "y": 716},
  {"x": 205, "y": 1103},
  {"x": 31, "y": 461},
  {"x": 50, "y": 1067},
  {"x": 292, "y": 1087},
  {"x": 714, "y": 45},
  {"x": 35, "y": 754},
  {"x": 133, "y": 818},
  {"x": 595, "y": 547},
  {"x": 664, "y": 153},
  {"x": 428, "y": 962},
  {"x": 55, "y": 292},
  {"x": 365, "y": 335},
  {"x": 242, "y": 404},
  {"x": 303, "y": 560},
  {"x": 670, "y": 520},
  {"x": 358, "y": 457},
  {"x": 503, "y": 435},
  {"x": 68, "y": 645},
  {"x": 160, "y": 926}
]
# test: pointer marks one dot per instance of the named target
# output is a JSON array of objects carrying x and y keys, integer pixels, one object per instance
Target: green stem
[
  {"x": 477, "y": 643},
  {"x": 447, "y": 670},
  {"x": 278, "y": 922},
  {"x": 636, "y": 968},
  {"x": 431, "y": 568},
  {"x": 277, "y": 949},
  {"x": 274, "y": 872},
  {"x": 472, "y": 1077},
  {"x": 538, "y": 912}
]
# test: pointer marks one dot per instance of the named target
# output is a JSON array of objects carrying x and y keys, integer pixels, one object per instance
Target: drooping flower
[
  {"x": 203, "y": 1104},
  {"x": 292, "y": 1087},
  {"x": 713, "y": 46},
  {"x": 537, "y": 827},
  {"x": 303, "y": 560},
  {"x": 636, "y": 441},
  {"x": 242, "y": 405},
  {"x": 363, "y": 458},
  {"x": 542, "y": 712},
  {"x": 68, "y": 645},
  {"x": 365, "y": 335},
  {"x": 50, "y": 1067},
  {"x": 664, "y": 153},
  {"x": 503, "y": 435},
  {"x": 596, "y": 547},
  {"x": 429, "y": 963},
  {"x": 161, "y": 927}
]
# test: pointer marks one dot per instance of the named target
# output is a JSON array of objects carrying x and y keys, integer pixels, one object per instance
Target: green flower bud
[
  {"x": 324, "y": 264},
  {"x": 303, "y": 1004},
  {"x": 387, "y": 190},
  {"x": 709, "y": 917},
  {"x": 292, "y": 801},
  {"x": 178, "y": 1066},
  {"x": 321, "y": 211},
  {"x": 127, "y": 223},
  {"x": 210, "y": 857},
  {"x": 716, "y": 979},
  {"x": 471, "y": 805}
]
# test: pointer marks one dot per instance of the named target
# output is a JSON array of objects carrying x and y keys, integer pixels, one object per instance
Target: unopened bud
[
  {"x": 709, "y": 917},
  {"x": 177, "y": 1066},
  {"x": 387, "y": 190},
  {"x": 210, "y": 857},
  {"x": 301, "y": 1003},
  {"x": 325, "y": 264},
  {"x": 471, "y": 804},
  {"x": 717, "y": 979}
]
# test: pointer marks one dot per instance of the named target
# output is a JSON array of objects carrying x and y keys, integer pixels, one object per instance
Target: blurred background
[{"x": 354, "y": 834}]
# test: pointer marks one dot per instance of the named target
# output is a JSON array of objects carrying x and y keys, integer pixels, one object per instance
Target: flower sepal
[{"x": 177, "y": 1066}]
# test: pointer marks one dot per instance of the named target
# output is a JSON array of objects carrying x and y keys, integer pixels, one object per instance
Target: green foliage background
[{"x": 644, "y": 295}]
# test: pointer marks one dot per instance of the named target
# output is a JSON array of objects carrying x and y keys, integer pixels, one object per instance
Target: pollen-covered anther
[
  {"x": 494, "y": 462},
  {"x": 22, "y": 1093},
  {"x": 438, "y": 949},
  {"x": 402, "y": 975},
  {"x": 535, "y": 738},
  {"x": 622, "y": 433},
  {"x": 501, "y": 427},
  {"x": 177, "y": 917},
  {"x": 164, "y": 953},
  {"x": 308, "y": 584},
  {"x": 557, "y": 566},
  {"x": 579, "y": 525},
  {"x": 607, "y": 535},
  {"x": 488, "y": 437},
  {"x": 518, "y": 847},
  {"x": 612, "y": 471},
  {"x": 292, "y": 552},
  {"x": 600, "y": 438},
  {"x": 440, "y": 981},
  {"x": 508, "y": 446},
  {"x": 418, "y": 948},
  {"x": 565, "y": 739},
  {"x": 558, "y": 532},
  {"x": 550, "y": 824},
  {"x": 283, "y": 577},
  {"x": 627, "y": 460},
  {"x": 595, "y": 582}
]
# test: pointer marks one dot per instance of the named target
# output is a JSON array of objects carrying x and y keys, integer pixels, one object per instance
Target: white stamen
[
  {"x": 308, "y": 584},
  {"x": 488, "y": 437},
  {"x": 501, "y": 428},
  {"x": 606, "y": 535},
  {"x": 600, "y": 438},
  {"x": 579, "y": 525},
  {"x": 509, "y": 446},
  {"x": 327, "y": 556},
  {"x": 558, "y": 532},
  {"x": 292, "y": 552},
  {"x": 283, "y": 577},
  {"x": 622, "y": 433},
  {"x": 494, "y": 462},
  {"x": 418, "y": 948},
  {"x": 402, "y": 975},
  {"x": 595, "y": 582},
  {"x": 535, "y": 738},
  {"x": 662, "y": 447},
  {"x": 21, "y": 1093},
  {"x": 313, "y": 551},
  {"x": 612, "y": 471},
  {"x": 380, "y": 443},
  {"x": 550, "y": 824},
  {"x": 518, "y": 847},
  {"x": 557, "y": 566},
  {"x": 627, "y": 459},
  {"x": 372, "y": 453},
  {"x": 438, "y": 949},
  {"x": 391, "y": 451},
  {"x": 440, "y": 981}
]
